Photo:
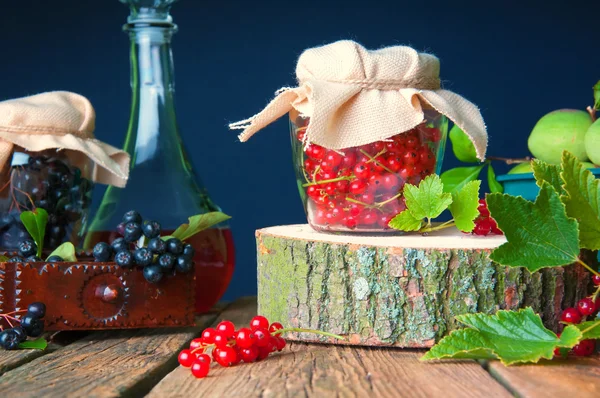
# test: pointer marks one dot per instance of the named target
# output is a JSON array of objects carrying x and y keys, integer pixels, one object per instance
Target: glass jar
[
  {"x": 162, "y": 185},
  {"x": 47, "y": 180},
  {"x": 360, "y": 189}
]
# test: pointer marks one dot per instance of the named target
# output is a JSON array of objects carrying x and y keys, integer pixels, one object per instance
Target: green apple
[
  {"x": 592, "y": 142},
  {"x": 564, "y": 129},
  {"x": 521, "y": 168}
]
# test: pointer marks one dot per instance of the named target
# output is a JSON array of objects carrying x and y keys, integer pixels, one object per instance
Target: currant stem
[
  {"x": 374, "y": 160},
  {"x": 588, "y": 267},
  {"x": 447, "y": 224},
  {"x": 510, "y": 160},
  {"x": 300, "y": 330},
  {"x": 343, "y": 178},
  {"x": 385, "y": 202}
]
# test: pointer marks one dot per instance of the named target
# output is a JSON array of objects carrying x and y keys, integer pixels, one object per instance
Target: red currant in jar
[
  {"x": 394, "y": 163},
  {"x": 315, "y": 151},
  {"x": 320, "y": 216},
  {"x": 349, "y": 158},
  {"x": 384, "y": 220},
  {"x": 362, "y": 171},
  {"x": 310, "y": 165},
  {"x": 369, "y": 217},
  {"x": 390, "y": 182},
  {"x": 351, "y": 221},
  {"x": 334, "y": 215},
  {"x": 357, "y": 187}
]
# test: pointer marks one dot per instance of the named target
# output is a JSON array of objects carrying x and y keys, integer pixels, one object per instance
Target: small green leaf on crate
[
  {"x": 428, "y": 200},
  {"x": 550, "y": 173},
  {"x": 405, "y": 221},
  {"x": 511, "y": 336},
  {"x": 495, "y": 186},
  {"x": 464, "y": 206},
  {"x": 539, "y": 234},
  {"x": 66, "y": 251},
  {"x": 456, "y": 178},
  {"x": 590, "y": 329},
  {"x": 582, "y": 200},
  {"x": 37, "y": 344},
  {"x": 35, "y": 223},
  {"x": 198, "y": 223},
  {"x": 463, "y": 148}
]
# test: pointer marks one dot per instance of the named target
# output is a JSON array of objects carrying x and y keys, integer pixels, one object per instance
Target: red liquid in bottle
[{"x": 214, "y": 262}]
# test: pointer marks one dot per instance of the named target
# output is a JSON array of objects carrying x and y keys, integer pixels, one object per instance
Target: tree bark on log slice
[{"x": 402, "y": 290}]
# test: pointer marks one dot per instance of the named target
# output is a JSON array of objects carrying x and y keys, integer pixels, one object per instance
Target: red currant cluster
[
  {"x": 361, "y": 187},
  {"x": 230, "y": 347},
  {"x": 586, "y": 307},
  {"x": 484, "y": 223}
]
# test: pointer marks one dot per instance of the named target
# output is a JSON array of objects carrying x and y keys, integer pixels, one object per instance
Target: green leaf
[
  {"x": 66, "y": 251},
  {"x": 511, "y": 336},
  {"x": 463, "y": 148},
  {"x": 590, "y": 329},
  {"x": 597, "y": 95},
  {"x": 405, "y": 221},
  {"x": 550, "y": 173},
  {"x": 428, "y": 200},
  {"x": 37, "y": 344},
  {"x": 454, "y": 179},
  {"x": 582, "y": 200},
  {"x": 199, "y": 223},
  {"x": 464, "y": 206},
  {"x": 539, "y": 234},
  {"x": 493, "y": 183},
  {"x": 3, "y": 259},
  {"x": 35, "y": 223}
]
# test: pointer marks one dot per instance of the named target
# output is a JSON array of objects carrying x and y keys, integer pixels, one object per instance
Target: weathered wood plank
[
  {"x": 575, "y": 377},
  {"x": 104, "y": 364},
  {"x": 321, "y": 371}
]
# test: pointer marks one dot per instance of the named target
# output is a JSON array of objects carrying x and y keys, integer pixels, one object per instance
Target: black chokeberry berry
[
  {"x": 151, "y": 229},
  {"x": 152, "y": 273},
  {"x": 121, "y": 229},
  {"x": 157, "y": 246},
  {"x": 32, "y": 325},
  {"x": 142, "y": 257},
  {"x": 9, "y": 339},
  {"x": 132, "y": 232},
  {"x": 166, "y": 261},
  {"x": 55, "y": 259},
  {"x": 37, "y": 309},
  {"x": 132, "y": 216},
  {"x": 16, "y": 259},
  {"x": 21, "y": 333},
  {"x": 119, "y": 244},
  {"x": 174, "y": 246},
  {"x": 102, "y": 252},
  {"x": 184, "y": 265},
  {"x": 188, "y": 251},
  {"x": 27, "y": 248},
  {"x": 124, "y": 259},
  {"x": 33, "y": 259}
]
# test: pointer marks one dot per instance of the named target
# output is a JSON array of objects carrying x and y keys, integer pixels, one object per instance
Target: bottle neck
[{"x": 152, "y": 120}]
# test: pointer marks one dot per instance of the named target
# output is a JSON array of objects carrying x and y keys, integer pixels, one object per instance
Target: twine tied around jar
[
  {"x": 354, "y": 96},
  {"x": 64, "y": 121}
]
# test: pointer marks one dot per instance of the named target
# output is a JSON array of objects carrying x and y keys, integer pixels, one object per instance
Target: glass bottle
[{"x": 162, "y": 185}]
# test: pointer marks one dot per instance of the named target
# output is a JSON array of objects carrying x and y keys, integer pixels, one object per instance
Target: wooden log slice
[{"x": 402, "y": 290}]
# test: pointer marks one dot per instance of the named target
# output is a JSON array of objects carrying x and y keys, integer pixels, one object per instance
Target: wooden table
[{"x": 139, "y": 363}]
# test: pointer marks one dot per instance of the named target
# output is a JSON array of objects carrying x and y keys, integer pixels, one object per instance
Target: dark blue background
[{"x": 516, "y": 61}]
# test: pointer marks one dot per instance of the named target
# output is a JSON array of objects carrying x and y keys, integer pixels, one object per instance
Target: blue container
[{"x": 524, "y": 185}]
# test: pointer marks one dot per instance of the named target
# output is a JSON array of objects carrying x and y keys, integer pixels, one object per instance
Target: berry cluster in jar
[
  {"x": 29, "y": 325},
  {"x": 361, "y": 187},
  {"x": 228, "y": 346},
  {"x": 141, "y": 245}
]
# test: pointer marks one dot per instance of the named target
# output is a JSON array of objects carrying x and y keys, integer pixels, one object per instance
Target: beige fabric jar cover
[
  {"x": 354, "y": 96},
  {"x": 60, "y": 120}
]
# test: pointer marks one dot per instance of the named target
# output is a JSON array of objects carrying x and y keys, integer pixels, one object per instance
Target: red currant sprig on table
[
  {"x": 228, "y": 347},
  {"x": 484, "y": 223}
]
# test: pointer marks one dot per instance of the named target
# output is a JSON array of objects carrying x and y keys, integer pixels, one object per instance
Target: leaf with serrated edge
[
  {"x": 428, "y": 200},
  {"x": 199, "y": 223},
  {"x": 37, "y": 344},
  {"x": 454, "y": 179},
  {"x": 550, "y": 173},
  {"x": 461, "y": 344},
  {"x": 590, "y": 329},
  {"x": 539, "y": 234},
  {"x": 493, "y": 183},
  {"x": 464, "y": 206},
  {"x": 405, "y": 222},
  {"x": 66, "y": 251},
  {"x": 582, "y": 200}
]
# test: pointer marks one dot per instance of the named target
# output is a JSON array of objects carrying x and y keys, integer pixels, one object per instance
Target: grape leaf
[
  {"x": 37, "y": 344},
  {"x": 463, "y": 148},
  {"x": 405, "y": 221},
  {"x": 428, "y": 200},
  {"x": 582, "y": 200},
  {"x": 35, "y": 223},
  {"x": 550, "y": 173},
  {"x": 493, "y": 183},
  {"x": 66, "y": 251},
  {"x": 590, "y": 329},
  {"x": 454, "y": 179},
  {"x": 511, "y": 336},
  {"x": 464, "y": 206},
  {"x": 198, "y": 223},
  {"x": 539, "y": 234}
]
